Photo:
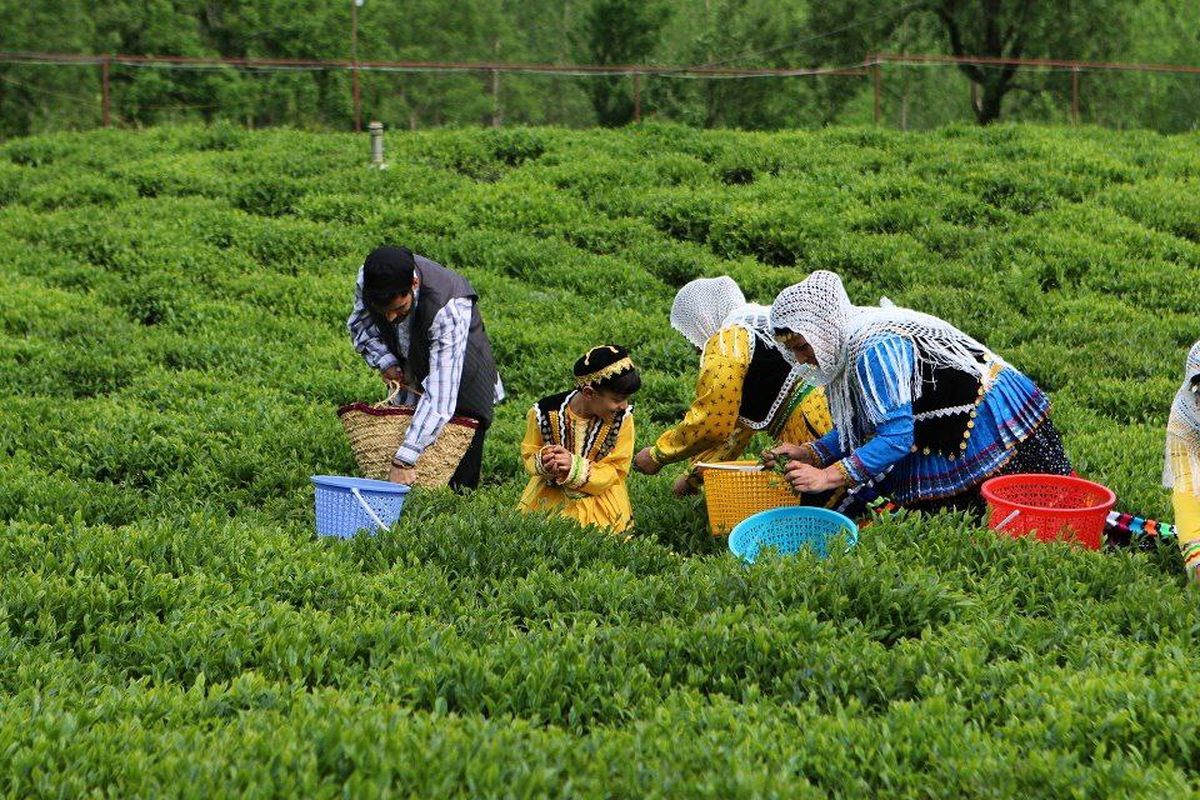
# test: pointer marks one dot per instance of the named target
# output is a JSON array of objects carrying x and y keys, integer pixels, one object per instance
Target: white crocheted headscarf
[
  {"x": 839, "y": 332},
  {"x": 702, "y": 305},
  {"x": 1183, "y": 432},
  {"x": 818, "y": 309}
]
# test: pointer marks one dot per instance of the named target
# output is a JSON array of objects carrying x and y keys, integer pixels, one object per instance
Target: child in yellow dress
[
  {"x": 1181, "y": 471},
  {"x": 579, "y": 444}
]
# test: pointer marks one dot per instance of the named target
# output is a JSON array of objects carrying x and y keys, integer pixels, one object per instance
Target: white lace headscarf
[
  {"x": 750, "y": 315},
  {"x": 819, "y": 309},
  {"x": 701, "y": 307},
  {"x": 1183, "y": 432}
]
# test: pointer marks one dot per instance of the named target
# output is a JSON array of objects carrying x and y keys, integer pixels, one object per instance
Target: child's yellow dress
[
  {"x": 594, "y": 493},
  {"x": 745, "y": 386}
]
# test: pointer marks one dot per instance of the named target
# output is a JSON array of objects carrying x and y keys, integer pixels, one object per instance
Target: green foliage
[
  {"x": 616, "y": 32},
  {"x": 172, "y": 311},
  {"x": 744, "y": 34}
]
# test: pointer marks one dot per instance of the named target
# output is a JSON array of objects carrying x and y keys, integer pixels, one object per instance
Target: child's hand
[
  {"x": 557, "y": 461},
  {"x": 551, "y": 453},
  {"x": 563, "y": 467}
]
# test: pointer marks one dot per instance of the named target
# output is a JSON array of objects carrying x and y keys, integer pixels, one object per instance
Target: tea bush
[{"x": 173, "y": 318}]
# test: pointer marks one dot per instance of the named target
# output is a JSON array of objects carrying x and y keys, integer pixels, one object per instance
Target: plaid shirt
[{"x": 447, "y": 354}]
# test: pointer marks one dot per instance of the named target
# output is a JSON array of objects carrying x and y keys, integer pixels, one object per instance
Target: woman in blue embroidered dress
[{"x": 922, "y": 412}]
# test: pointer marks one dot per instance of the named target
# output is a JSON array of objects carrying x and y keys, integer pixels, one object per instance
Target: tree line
[{"x": 732, "y": 33}]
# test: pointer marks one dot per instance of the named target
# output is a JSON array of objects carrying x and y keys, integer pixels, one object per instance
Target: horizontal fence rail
[{"x": 871, "y": 67}]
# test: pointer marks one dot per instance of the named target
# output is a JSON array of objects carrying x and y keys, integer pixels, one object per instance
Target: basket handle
[
  {"x": 394, "y": 388},
  {"x": 367, "y": 508},
  {"x": 1004, "y": 522}
]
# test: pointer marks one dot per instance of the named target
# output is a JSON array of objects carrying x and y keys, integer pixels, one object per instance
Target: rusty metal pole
[
  {"x": 497, "y": 111},
  {"x": 497, "y": 115},
  {"x": 637, "y": 96},
  {"x": 1075, "y": 96},
  {"x": 104, "y": 102},
  {"x": 354, "y": 68},
  {"x": 878, "y": 91}
]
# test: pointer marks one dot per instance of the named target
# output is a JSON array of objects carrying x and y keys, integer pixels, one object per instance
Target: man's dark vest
[{"x": 476, "y": 392}]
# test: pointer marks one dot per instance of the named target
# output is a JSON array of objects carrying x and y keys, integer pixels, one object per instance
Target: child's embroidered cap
[{"x": 600, "y": 363}]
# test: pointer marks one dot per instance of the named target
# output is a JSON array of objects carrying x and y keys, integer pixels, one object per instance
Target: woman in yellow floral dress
[
  {"x": 745, "y": 386},
  {"x": 578, "y": 444},
  {"x": 1181, "y": 471}
]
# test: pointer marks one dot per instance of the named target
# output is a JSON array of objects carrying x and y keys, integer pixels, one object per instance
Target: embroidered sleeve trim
[
  {"x": 848, "y": 472},
  {"x": 581, "y": 472}
]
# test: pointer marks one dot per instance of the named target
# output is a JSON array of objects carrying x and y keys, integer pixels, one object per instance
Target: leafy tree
[
  {"x": 749, "y": 34},
  {"x": 33, "y": 98},
  {"x": 736, "y": 33},
  {"x": 1002, "y": 29},
  {"x": 618, "y": 32}
]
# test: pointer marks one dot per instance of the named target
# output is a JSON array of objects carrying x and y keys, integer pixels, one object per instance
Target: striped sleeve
[
  {"x": 447, "y": 354},
  {"x": 365, "y": 336}
]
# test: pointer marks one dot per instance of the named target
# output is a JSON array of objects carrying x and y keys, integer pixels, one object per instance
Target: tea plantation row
[{"x": 172, "y": 308}]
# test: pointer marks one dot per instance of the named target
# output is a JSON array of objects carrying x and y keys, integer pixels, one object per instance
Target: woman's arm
[{"x": 712, "y": 417}]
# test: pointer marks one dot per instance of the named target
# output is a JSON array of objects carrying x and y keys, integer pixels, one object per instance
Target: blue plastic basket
[
  {"x": 789, "y": 529},
  {"x": 347, "y": 505}
]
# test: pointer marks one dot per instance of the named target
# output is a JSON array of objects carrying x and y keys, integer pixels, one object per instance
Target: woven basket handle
[{"x": 394, "y": 388}]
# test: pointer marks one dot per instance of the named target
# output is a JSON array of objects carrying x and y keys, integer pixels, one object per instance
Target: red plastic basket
[{"x": 1055, "y": 506}]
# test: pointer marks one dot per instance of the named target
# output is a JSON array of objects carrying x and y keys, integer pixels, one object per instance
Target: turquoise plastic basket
[
  {"x": 346, "y": 506},
  {"x": 789, "y": 529}
]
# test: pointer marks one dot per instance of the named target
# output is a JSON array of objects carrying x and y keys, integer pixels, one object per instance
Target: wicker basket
[
  {"x": 377, "y": 430},
  {"x": 733, "y": 491}
]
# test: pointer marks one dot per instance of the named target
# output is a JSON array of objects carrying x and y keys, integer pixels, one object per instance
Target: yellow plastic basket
[{"x": 733, "y": 494}]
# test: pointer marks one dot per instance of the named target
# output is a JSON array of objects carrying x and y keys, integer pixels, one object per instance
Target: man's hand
[
  {"x": 805, "y": 478},
  {"x": 557, "y": 461},
  {"x": 784, "y": 452},
  {"x": 393, "y": 374},
  {"x": 644, "y": 462},
  {"x": 404, "y": 475},
  {"x": 683, "y": 486}
]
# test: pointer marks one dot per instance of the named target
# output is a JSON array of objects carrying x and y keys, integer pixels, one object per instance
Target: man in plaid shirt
[{"x": 418, "y": 323}]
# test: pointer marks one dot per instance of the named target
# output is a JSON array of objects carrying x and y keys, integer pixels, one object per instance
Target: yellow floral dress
[
  {"x": 1186, "y": 500},
  {"x": 713, "y": 429},
  {"x": 594, "y": 493}
]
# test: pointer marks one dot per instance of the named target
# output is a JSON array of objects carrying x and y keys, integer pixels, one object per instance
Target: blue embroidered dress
[{"x": 1008, "y": 410}]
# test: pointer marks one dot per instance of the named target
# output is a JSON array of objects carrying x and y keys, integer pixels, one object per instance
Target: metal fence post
[
  {"x": 355, "y": 91},
  {"x": 1075, "y": 96},
  {"x": 637, "y": 96},
  {"x": 104, "y": 101},
  {"x": 497, "y": 112},
  {"x": 878, "y": 91}
]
